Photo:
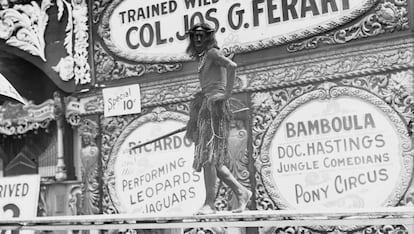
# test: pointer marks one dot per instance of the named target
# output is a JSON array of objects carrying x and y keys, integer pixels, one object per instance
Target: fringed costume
[{"x": 209, "y": 131}]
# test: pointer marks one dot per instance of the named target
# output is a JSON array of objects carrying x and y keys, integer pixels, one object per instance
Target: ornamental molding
[
  {"x": 17, "y": 119},
  {"x": 89, "y": 199},
  {"x": 358, "y": 61},
  {"x": 23, "y": 26},
  {"x": 337, "y": 230},
  {"x": 108, "y": 69},
  {"x": 74, "y": 199},
  {"x": 388, "y": 17},
  {"x": 346, "y": 63},
  {"x": 75, "y": 65}
]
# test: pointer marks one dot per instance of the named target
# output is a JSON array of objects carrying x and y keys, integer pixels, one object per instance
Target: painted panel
[
  {"x": 151, "y": 31},
  {"x": 156, "y": 178},
  {"x": 337, "y": 147}
]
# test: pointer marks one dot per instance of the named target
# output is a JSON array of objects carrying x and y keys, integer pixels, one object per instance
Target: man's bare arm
[{"x": 230, "y": 66}]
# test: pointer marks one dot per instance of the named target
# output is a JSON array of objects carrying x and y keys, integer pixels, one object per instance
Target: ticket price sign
[
  {"x": 156, "y": 178},
  {"x": 343, "y": 152},
  {"x": 122, "y": 100},
  {"x": 19, "y": 197}
]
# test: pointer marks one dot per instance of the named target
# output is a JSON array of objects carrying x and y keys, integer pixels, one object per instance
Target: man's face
[{"x": 199, "y": 38}]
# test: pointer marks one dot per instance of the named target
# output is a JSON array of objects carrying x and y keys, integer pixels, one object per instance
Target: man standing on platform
[{"x": 210, "y": 116}]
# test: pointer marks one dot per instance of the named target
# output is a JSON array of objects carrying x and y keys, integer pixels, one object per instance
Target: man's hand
[
  {"x": 230, "y": 56},
  {"x": 214, "y": 98}
]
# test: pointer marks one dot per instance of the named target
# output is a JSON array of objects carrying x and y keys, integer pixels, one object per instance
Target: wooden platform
[{"x": 276, "y": 218}]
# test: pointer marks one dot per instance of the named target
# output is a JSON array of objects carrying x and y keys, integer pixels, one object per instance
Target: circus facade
[{"x": 323, "y": 105}]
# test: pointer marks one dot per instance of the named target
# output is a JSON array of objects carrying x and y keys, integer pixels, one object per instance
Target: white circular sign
[
  {"x": 158, "y": 177},
  {"x": 337, "y": 152}
]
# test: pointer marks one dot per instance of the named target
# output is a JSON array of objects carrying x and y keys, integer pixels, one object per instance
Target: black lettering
[
  {"x": 160, "y": 41},
  {"x": 157, "y": 146},
  {"x": 177, "y": 142},
  {"x": 122, "y": 13},
  {"x": 131, "y": 200},
  {"x": 290, "y": 130},
  {"x": 150, "y": 32},
  {"x": 238, "y": 13},
  {"x": 173, "y": 6},
  {"x": 131, "y": 15},
  {"x": 345, "y": 4},
  {"x": 25, "y": 189},
  {"x": 128, "y": 39},
  {"x": 256, "y": 11},
  {"x": 186, "y": 27},
  {"x": 383, "y": 174},
  {"x": 380, "y": 141},
  {"x": 197, "y": 15},
  {"x": 312, "y": 7},
  {"x": 286, "y": 8},
  {"x": 189, "y": 3},
  {"x": 270, "y": 10},
  {"x": 167, "y": 143},
  {"x": 164, "y": 8},
  {"x": 211, "y": 18},
  {"x": 192, "y": 192},
  {"x": 141, "y": 14},
  {"x": 332, "y": 3}
]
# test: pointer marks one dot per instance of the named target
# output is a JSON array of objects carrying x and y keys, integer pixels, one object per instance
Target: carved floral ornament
[
  {"x": 23, "y": 26},
  {"x": 18, "y": 119},
  {"x": 389, "y": 16}
]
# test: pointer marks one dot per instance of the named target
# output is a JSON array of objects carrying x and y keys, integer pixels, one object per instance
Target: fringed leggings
[{"x": 209, "y": 131}]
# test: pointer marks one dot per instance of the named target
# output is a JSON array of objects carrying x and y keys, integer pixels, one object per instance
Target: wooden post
[{"x": 59, "y": 114}]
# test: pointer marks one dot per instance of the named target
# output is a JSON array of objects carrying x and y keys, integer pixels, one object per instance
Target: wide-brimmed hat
[{"x": 201, "y": 27}]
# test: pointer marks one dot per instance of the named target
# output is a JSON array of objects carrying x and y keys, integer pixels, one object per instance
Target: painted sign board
[
  {"x": 157, "y": 178},
  {"x": 347, "y": 150},
  {"x": 122, "y": 100},
  {"x": 19, "y": 196},
  {"x": 154, "y": 30}
]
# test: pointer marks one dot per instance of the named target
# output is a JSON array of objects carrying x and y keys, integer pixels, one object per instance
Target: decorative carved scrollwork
[
  {"x": 23, "y": 26},
  {"x": 75, "y": 200},
  {"x": 42, "y": 209},
  {"x": 388, "y": 17},
  {"x": 385, "y": 229},
  {"x": 90, "y": 170},
  {"x": 75, "y": 64},
  {"x": 238, "y": 165},
  {"x": 107, "y": 68},
  {"x": 111, "y": 130},
  {"x": 329, "y": 67}
]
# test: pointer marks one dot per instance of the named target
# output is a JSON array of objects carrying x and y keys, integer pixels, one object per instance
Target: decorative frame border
[
  {"x": 158, "y": 114},
  {"x": 388, "y": 17},
  {"x": 328, "y": 91},
  {"x": 104, "y": 33},
  {"x": 350, "y": 62}
]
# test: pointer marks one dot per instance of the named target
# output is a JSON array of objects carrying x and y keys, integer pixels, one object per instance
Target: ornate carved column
[{"x": 59, "y": 115}]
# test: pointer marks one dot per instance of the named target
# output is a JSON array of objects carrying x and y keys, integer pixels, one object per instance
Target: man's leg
[
  {"x": 210, "y": 177},
  {"x": 243, "y": 194}
]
